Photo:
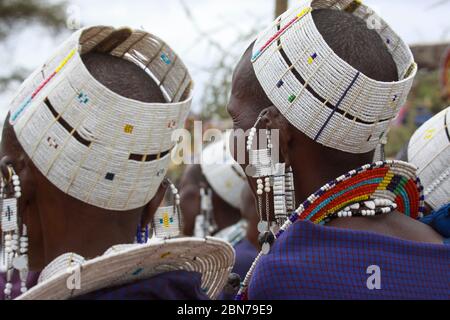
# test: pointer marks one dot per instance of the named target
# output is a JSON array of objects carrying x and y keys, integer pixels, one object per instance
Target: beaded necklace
[{"x": 389, "y": 184}]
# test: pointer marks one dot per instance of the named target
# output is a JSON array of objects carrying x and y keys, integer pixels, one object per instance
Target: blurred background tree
[{"x": 16, "y": 14}]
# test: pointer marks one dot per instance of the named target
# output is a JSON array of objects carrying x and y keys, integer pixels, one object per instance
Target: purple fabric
[
  {"x": 31, "y": 281},
  {"x": 246, "y": 253},
  {"x": 175, "y": 285},
  {"x": 317, "y": 262}
]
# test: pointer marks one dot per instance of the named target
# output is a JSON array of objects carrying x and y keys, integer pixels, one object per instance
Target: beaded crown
[
  {"x": 318, "y": 92},
  {"x": 222, "y": 172},
  {"x": 93, "y": 144},
  {"x": 429, "y": 150}
]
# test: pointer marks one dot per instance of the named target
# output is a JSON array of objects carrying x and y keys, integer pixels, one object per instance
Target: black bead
[
  {"x": 233, "y": 284},
  {"x": 266, "y": 237}
]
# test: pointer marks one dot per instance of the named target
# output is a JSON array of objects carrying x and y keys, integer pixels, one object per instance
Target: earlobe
[
  {"x": 272, "y": 119},
  {"x": 153, "y": 205}
]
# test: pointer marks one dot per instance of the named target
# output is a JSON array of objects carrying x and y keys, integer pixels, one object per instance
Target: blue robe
[
  {"x": 246, "y": 253},
  {"x": 174, "y": 285},
  {"x": 439, "y": 220},
  {"x": 317, "y": 262}
]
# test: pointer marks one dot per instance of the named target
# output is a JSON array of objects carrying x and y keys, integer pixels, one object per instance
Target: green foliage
[
  {"x": 15, "y": 14},
  {"x": 426, "y": 93}
]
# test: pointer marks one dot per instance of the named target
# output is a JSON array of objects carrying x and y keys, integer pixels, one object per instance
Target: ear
[
  {"x": 274, "y": 120},
  {"x": 153, "y": 205}
]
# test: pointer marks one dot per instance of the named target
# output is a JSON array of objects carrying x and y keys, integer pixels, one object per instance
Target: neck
[
  {"x": 85, "y": 230},
  {"x": 311, "y": 172}
]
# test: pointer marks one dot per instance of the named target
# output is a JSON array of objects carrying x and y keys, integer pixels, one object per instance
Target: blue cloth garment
[
  {"x": 246, "y": 253},
  {"x": 317, "y": 262},
  {"x": 439, "y": 220},
  {"x": 174, "y": 285}
]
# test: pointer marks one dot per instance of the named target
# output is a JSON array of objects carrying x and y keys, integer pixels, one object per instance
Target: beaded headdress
[
  {"x": 429, "y": 150},
  {"x": 222, "y": 172},
  {"x": 318, "y": 92},
  {"x": 93, "y": 144}
]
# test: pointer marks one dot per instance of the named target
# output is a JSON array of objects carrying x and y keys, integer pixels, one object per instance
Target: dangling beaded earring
[
  {"x": 167, "y": 221},
  {"x": 279, "y": 194},
  {"x": 209, "y": 224},
  {"x": 12, "y": 256},
  {"x": 289, "y": 191},
  {"x": 261, "y": 167}
]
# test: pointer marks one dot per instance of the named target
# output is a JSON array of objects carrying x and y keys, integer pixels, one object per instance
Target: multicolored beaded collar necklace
[{"x": 393, "y": 181}]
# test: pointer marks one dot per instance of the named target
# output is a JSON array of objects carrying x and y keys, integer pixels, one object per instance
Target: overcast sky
[{"x": 415, "y": 20}]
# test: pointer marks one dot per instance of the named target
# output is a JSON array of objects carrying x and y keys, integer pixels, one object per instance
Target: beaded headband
[
  {"x": 222, "y": 172},
  {"x": 319, "y": 93},
  {"x": 429, "y": 150},
  {"x": 91, "y": 143}
]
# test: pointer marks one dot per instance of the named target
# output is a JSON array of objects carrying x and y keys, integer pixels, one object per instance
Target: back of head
[
  {"x": 361, "y": 47},
  {"x": 123, "y": 77}
]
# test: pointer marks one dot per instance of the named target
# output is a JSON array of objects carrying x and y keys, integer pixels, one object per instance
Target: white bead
[
  {"x": 17, "y": 189},
  {"x": 15, "y": 237},
  {"x": 15, "y": 177},
  {"x": 23, "y": 250},
  {"x": 8, "y": 285},
  {"x": 8, "y": 249},
  {"x": 370, "y": 204},
  {"x": 7, "y": 292},
  {"x": 260, "y": 186},
  {"x": 259, "y": 181},
  {"x": 18, "y": 194},
  {"x": 267, "y": 189},
  {"x": 355, "y": 206},
  {"x": 23, "y": 289},
  {"x": 259, "y": 192},
  {"x": 8, "y": 237}
]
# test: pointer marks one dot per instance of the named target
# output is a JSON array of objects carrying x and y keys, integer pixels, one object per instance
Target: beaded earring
[
  {"x": 167, "y": 221},
  {"x": 14, "y": 256},
  {"x": 209, "y": 225},
  {"x": 268, "y": 175}
]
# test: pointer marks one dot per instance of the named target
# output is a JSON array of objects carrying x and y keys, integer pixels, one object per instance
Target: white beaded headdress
[
  {"x": 429, "y": 150},
  {"x": 93, "y": 144},
  {"x": 321, "y": 94},
  {"x": 222, "y": 172}
]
